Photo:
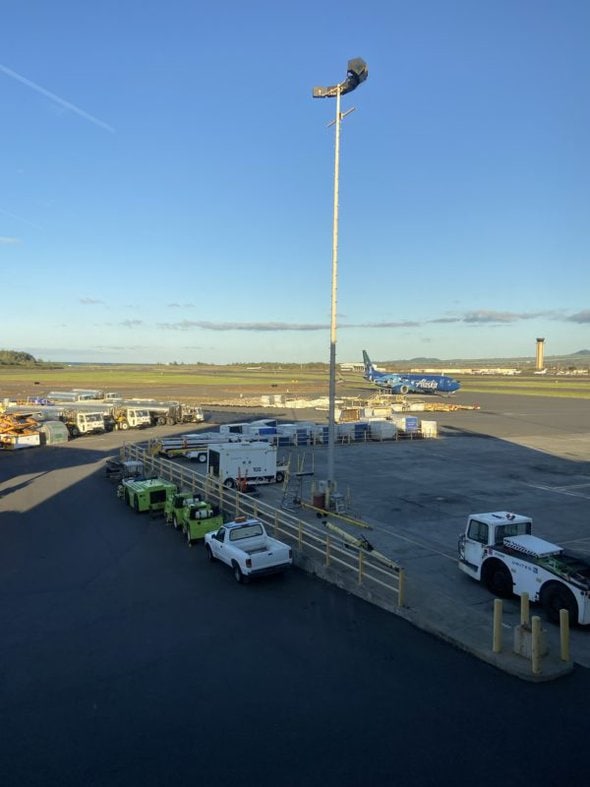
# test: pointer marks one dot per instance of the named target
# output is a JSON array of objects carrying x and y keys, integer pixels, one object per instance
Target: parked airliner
[{"x": 403, "y": 383}]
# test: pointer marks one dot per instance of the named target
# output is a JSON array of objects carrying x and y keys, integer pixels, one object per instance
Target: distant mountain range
[{"x": 580, "y": 355}]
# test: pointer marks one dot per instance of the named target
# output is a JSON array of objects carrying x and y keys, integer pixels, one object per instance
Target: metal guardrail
[{"x": 314, "y": 550}]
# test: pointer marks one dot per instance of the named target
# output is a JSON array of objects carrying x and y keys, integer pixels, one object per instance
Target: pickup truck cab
[{"x": 245, "y": 546}]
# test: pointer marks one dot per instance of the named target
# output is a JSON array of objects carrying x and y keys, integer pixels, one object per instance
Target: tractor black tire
[
  {"x": 498, "y": 580},
  {"x": 556, "y": 596}
]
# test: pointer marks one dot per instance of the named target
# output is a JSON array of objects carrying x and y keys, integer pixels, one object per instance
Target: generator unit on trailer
[
  {"x": 146, "y": 495},
  {"x": 499, "y": 550},
  {"x": 237, "y": 464}
]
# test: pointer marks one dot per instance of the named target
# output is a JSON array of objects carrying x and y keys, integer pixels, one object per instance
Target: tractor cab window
[
  {"x": 513, "y": 529},
  {"x": 478, "y": 531}
]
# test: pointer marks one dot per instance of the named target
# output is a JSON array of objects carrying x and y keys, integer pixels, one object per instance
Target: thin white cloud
[
  {"x": 185, "y": 325},
  {"x": 7, "y": 241},
  {"x": 55, "y": 98},
  {"x": 581, "y": 318},
  {"x": 89, "y": 301}
]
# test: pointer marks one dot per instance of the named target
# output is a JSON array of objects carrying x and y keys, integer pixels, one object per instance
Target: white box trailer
[{"x": 235, "y": 464}]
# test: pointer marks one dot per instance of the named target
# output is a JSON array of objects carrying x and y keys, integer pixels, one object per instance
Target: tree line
[{"x": 16, "y": 358}]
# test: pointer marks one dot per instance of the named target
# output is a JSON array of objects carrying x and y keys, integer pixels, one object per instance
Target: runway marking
[{"x": 563, "y": 490}]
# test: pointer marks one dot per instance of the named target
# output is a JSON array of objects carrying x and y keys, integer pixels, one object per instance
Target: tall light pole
[{"x": 357, "y": 72}]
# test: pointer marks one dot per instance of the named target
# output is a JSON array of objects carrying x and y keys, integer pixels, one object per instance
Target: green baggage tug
[{"x": 192, "y": 515}]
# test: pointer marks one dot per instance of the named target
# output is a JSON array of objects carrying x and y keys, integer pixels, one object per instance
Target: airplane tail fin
[{"x": 368, "y": 365}]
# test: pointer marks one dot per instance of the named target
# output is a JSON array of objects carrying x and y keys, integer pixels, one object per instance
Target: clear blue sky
[{"x": 166, "y": 179}]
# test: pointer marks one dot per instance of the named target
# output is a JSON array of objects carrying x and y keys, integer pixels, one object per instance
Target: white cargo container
[
  {"x": 429, "y": 428},
  {"x": 380, "y": 429}
]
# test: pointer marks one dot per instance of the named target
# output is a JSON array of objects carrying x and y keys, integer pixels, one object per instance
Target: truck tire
[
  {"x": 189, "y": 540},
  {"x": 201, "y": 458},
  {"x": 229, "y": 483},
  {"x": 175, "y": 522},
  {"x": 124, "y": 426},
  {"x": 280, "y": 477},
  {"x": 74, "y": 431},
  {"x": 238, "y": 576},
  {"x": 497, "y": 578},
  {"x": 161, "y": 421},
  {"x": 210, "y": 555},
  {"x": 555, "y": 596}
]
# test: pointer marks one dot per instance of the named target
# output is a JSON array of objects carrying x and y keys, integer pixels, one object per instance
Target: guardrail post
[
  {"x": 564, "y": 634},
  {"x": 401, "y": 588},
  {"x": 497, "y": 627},
  {"x": 327, "y": 550},
  {"x": 536, "y": 645},
  {"x": 299, "y": 534},
  {"x": 524, "y": 610},
  {"x": 360, "y": 579}
]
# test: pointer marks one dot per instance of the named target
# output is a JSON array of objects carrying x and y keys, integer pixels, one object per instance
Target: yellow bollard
[
  {"x": 401, "y": 590},
  {"x": 497, "y": 627},
  {"x": 564, "y": 634},
  {"x": 524, "y": 610},
  {"x": 536, "y": 645}
]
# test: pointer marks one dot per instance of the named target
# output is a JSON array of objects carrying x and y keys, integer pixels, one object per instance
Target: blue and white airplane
[{"x": 403, "y": 383}]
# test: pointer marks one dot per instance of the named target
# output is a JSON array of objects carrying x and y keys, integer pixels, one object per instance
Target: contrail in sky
[
  {"x": 20, "y": 218},
  {"x": 62, "y": 102}
]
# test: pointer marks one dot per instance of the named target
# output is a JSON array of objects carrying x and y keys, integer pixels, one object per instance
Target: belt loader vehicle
[
  {"x": 499, "y": 550},
  {"x": 194, "y": 516},
  {"x": 245, "y": 546},
  {"x": 239, "y": 464},
  {"x": 191, "y": 446}
]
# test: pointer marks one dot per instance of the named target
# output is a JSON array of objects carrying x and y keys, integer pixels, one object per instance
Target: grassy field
[{"x": 198, "y": 383}]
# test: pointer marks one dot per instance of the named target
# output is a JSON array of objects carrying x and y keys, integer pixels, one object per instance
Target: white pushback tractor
[{"x": 499, "y": 550}]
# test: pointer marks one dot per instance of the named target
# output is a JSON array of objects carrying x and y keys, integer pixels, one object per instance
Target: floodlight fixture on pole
[{"x": 357, "y": 72}]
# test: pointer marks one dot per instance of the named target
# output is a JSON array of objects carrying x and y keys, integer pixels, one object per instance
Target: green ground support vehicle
[
  {"x": 192, "y": 515},
  {"x": 146, "y": 495}
]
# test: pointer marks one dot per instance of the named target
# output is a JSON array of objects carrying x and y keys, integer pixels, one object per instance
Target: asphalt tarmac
[{"x": 127, "y": 659}]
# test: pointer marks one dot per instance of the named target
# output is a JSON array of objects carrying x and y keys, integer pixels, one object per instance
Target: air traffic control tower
[{"x": 539, "y": 364}]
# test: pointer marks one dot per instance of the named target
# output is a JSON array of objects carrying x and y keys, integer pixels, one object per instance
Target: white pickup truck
[{"x": 245, "y": 546}]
